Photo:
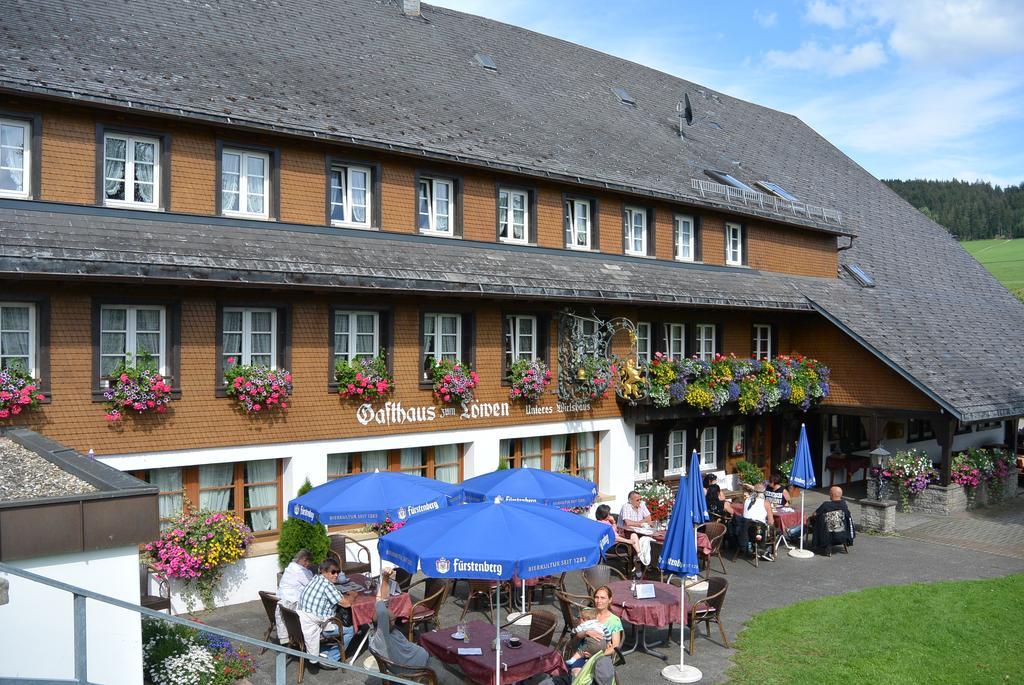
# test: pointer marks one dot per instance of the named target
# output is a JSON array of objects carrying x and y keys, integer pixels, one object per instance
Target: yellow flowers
[{"x": 697, "y": 396}]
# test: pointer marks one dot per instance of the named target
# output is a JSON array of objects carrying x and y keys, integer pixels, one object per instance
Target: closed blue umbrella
[
  {"x": 802, "y": 476},
  {"x": 530, "y": 485},
  {"x": 496, "y": 541},
  {"x": 695, "y": 492},
  {"x": 679, "y": 556}
]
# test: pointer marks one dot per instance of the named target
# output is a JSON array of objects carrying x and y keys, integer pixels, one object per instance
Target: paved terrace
[{"x": 983, "y": 544}]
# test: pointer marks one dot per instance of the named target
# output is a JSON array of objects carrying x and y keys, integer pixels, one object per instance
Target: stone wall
[
  {"x": 878, "y": 516},
  {"x": 946, "y": 500}
]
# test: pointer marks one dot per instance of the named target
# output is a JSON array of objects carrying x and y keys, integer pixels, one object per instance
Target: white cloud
[
  {"x": 838, "y": 60},
  {"x": 826, "y": 14},
  {"x": 766, "y": 19}
]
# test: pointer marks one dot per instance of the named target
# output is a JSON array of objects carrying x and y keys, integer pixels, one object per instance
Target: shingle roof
[{"x": 360, "y": 71}]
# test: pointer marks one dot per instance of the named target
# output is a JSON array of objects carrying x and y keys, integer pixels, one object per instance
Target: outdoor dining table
[
  {"x": 517, "y": 664},
  {"x": 785, "y": 518},
  {"x": 363, "y": 607},
  {"x": 703, "y": 541},
  {"x": 660, "y": 611}
]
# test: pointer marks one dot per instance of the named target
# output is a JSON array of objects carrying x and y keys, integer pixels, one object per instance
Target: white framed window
[
  {"x": 590, "y": 344},
  {"x": 513, "y": 216},
  {"x": 128, "y": 332},
  {"x": 520, "y": 338},
  {"x": 442, "y": 338},
  {"x": 250, "y": 336},
  {"x": 243, "y": 183},
  {"x": 356, "y": 335},
  {"x": 644, "y": 452},
  {"x": 643, "y": 342},
  {"x": 635, "y": 219},
  {"x": 351, "y": 196},
  {"x": 131, "y": 171},
  {"x": 434, "y": 206},
  {"x": 675, "y": 340},
  {"x": 708, "y": 446},
  {"x": 733, "y": 244},
  {"x": 704, "y": 341},
  {"x": 676, "y": 465},
  {"x": 18, "y": 341},
  {"x": 762, "y": 340},
  {"x": 685, "y": 238},
  {"x": 578, "y": 224},
  {"x": 15, "y": 158}
]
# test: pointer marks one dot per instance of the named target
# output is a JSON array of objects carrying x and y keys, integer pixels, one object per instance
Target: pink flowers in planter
[
  {"x": 136, "y": 388},
  {"x": 529, "y": 379},
  {"x": 18, "y": 392},
  {"x": 453, "y": 381},
  {"x": 258, "y": 388},
  {"x": 363, "y": 379}
]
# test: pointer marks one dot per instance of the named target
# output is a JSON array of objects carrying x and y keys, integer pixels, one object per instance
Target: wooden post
[{"x": 944, "y": 430}]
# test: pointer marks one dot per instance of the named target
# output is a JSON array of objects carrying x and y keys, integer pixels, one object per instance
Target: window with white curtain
[
  {"x": 446, "y": 463},
  {"x": 575, "y": 454},
  {"x": 513, "y": 216},
  {"x": 520, "y": 338},
  {"x": 578, "y": 224},
  {"x": 351, "y": 196},
  {"x": 260, "y": 494},
  {"x": 635, "y": 219},
  {"x": 217, "y": 487},
  {"x": 130, "y": 332},
  {"x": 643, "y": 342},
  {"x": 704, "y": 341},
  {"x": 18, "y": 337},
  {"x": 762, "y": 341},
  {"x": 442, "y": 338},
  {"x": 347, "y": 464},
  {"x": 413, "y": 460},
  {"x": 15, "y": 158},
  {"x": 685, "y": 238},
  {"x": 676, "y": 454},
  {"x": 644, "y": 452},
  {"x": 356, "y": 335},
  {"x": 434, "y": 206},
  {"x": 250, "y": 336},
  {"x": 131, "y": 171},
  {"x": 709, "y": 448},
  {"x": 522, "y": 452},
  {"x": 733, "y": 244},
  {"x": 243, "y": 183},
  {"x": 172, "y": 493},
  {"x": 675, "y": 339}
]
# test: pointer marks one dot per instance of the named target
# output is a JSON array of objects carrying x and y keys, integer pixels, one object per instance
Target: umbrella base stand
[
  {"x": 801, "y": 553},
  {"x": 681, "y": 673}
]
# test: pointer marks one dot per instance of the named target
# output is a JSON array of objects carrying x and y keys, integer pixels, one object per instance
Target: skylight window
[
  {"x": 485, "y": 61},
  {"x": 776, "y": 189},
  {"x": 726, "y": 179},
  {"x": 624, "y": 96},
  {"x": 860, "y": 275}
]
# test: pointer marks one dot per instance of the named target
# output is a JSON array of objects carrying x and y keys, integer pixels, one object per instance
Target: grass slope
[
  {"x": 951, "y": 632},
  {"x": 1003, "y": 258}
]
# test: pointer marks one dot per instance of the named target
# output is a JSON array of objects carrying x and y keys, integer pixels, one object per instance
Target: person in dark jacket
[{"x": 832, "y": 523}]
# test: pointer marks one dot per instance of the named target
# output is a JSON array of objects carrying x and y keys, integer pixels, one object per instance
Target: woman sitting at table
[
  {"x": 775, "y": 493},
  {"x": 612, "y": 626},
  {"x": 641, "y": 546},
  {"x": 714, "y": 496},
  {"x": 756, "y": 518}
]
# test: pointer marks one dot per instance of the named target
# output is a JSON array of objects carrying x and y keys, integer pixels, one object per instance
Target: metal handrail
[
  {"x": 81, "y": 656},
  {"x": 769, "y": 203}
]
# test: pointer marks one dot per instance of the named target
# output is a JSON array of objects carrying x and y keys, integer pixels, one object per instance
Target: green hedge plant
[{"x": 297, "y": 534}]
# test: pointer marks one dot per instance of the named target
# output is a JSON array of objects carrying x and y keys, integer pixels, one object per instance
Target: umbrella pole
[
  {"x": 682, "y": 673},
  {"x": 497, "y": 636},
  {"x": 801, "y": 553}
]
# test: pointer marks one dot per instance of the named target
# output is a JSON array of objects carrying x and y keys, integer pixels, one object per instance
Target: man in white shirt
[
  {"x": 634, "y": 512},
  {"x": 294, "y": 580}
]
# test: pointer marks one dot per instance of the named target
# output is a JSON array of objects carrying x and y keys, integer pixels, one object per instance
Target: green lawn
[
  {"x": 1003, "y": 258},
  {"x": 951, "y": 632}
]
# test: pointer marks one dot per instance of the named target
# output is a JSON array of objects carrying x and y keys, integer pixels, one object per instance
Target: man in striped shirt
[{"x": 317, "y": 605}]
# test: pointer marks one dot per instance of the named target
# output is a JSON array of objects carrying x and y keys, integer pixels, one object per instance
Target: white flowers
[{"x": 192, "y": 667}]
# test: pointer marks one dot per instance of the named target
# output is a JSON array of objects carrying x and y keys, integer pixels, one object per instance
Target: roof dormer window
[{"x": 728, "y": 180}]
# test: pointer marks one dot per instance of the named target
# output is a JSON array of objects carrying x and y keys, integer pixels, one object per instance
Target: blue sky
[{"x": 907, "y": 88}]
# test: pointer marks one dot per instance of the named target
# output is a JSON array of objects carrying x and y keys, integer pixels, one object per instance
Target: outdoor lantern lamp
[{"x": 879, "y": 459}]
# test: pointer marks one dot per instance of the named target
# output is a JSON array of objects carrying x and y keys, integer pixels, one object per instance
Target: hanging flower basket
[
  {"x": 366, "y": 378},
  {"x": 597, "y": 376},
  {"x": 17, "y": 392},
  {"x": 136, "y": 389},
  {"x": 454, "y": 382},
  {"x": 529, "y": 380},
  {"x": 258, "y": 388}
]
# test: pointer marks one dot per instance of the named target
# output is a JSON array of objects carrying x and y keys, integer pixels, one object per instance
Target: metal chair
[
  {"x": 359, "y": 564},
  {"x": 269, "y": 600},
  {"x": 709, "y": 610},
  {"x": 297, "y": 641},
  {"x": 155, "y": 602}
]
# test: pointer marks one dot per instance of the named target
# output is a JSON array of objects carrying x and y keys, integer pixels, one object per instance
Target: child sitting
[{"x": 588, "y": 645}]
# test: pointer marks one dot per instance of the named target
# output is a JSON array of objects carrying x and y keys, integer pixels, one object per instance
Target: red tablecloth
[
  {"x": 518, "y": 664},
  {"x": 659, "y": 612},
  {"x": 363, "y": 606},
  {"x": 702, "y": 540},
  {"x": 783, "y": 519}
]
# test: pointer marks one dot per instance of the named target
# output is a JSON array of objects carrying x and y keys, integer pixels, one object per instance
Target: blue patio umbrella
[
  {"x": 802, "y": 476},
  {"x": 373, "y": 497},
  {"x": 679, "y": 556},
  {"x": 695, "y": 492},
  {"x": 530, "y": 485},
  {"x": 496, "y": 541}
]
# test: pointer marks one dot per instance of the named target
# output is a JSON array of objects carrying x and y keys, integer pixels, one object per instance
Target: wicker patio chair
[
  {"x": 542, "y": 626},
  {"x": 715, "y": 530},
  {"x": 602, "y": 574},
  {"x": 427, "y": 610},
  {"x": 155, "y": 602},
  {"x": 360, "y": 563},
  {"x": 419, "y": 675},
  {"x": 269, "y": 600},
  {"x": 709, "y": 610},
  {"x": 485, "y": 589},
  {"x": 297, "y": 641}
]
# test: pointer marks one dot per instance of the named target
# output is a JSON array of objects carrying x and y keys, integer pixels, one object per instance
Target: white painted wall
[{"x": 36, "y": 627}]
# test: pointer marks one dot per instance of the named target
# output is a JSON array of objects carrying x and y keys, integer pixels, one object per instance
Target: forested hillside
[{"x": 970, "y": 211}]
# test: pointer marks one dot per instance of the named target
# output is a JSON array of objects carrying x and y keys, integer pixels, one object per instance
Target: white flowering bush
[{"x": 194, "y": 666}]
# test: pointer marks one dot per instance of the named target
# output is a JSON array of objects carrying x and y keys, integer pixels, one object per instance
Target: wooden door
[{"x": 761, "y": 444}]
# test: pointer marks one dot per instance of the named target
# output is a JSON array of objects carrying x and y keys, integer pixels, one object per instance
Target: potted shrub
[
  {"x": 454, "y": 382},
  {"x": 529, "y": 380},
  {"x": 258, "y": 388},
  {"x": 365, "y": 378},
  {"x": 297, "y": 534},
  {"x": 18, "y": 391},
  {"x": 751, "y": 474},
  {"x": 136, "y": 389}
]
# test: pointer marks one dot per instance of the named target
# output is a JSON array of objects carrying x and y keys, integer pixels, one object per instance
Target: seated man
[
  {"x": 831, "y": 522},
  {"x": 634, "y": 512},
  {"x": 294, "y": 580},
  {"x": 757, "y": 518},
  {"x": 318, "y": 603}
]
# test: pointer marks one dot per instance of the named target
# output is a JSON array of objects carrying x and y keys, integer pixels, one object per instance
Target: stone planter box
[
  {"x": 950, "y": 499},
  {"x": 877, "y": 516}
]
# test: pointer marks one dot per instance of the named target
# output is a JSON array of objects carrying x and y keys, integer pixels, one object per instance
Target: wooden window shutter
[
  {"x": 544, "y": 338},
  {"x": 743, "y": 244},
  {"x": 651, "y": 247},
  {"x": 531, "y": 203},
  {"x": 567, "y": 210},
  {"x": 456, "y": 209},
  {"x": 698, "y": 242},
  {"x": 469, "y": 339},
  {"x": 718, "y": 338},
  {"x": 675, "y": 238},
  {"x": 625, "y": 230},
  {"x": 773, "y": 335}
]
